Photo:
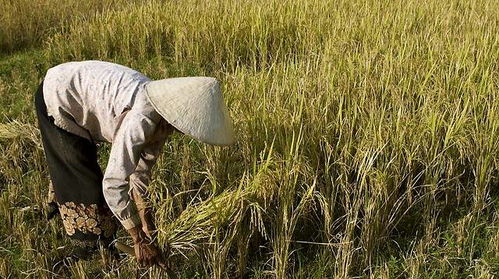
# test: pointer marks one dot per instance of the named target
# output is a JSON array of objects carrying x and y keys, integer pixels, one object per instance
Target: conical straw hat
[{"x": 193, "y": 105}]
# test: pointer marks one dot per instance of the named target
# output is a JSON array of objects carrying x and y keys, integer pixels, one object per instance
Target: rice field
[{"x": 368, "y": 135}]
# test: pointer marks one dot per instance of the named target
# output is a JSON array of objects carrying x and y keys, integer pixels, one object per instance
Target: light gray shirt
[{"x": 103, "y": 101}]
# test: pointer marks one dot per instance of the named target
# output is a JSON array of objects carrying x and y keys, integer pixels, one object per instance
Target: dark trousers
[{"x": 76, "y": 178}]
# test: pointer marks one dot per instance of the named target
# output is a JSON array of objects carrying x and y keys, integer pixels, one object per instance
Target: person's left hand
[{"x": 146, "y": 252}]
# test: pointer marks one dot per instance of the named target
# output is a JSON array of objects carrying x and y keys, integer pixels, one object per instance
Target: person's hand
[{"x": 146, "y": 253}]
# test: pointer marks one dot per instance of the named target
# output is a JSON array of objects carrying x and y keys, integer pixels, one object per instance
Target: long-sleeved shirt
[{"x": 103, "y": 101}]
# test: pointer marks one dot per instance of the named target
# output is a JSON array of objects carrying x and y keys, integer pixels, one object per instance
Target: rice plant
[{"x": 368, "y": 139}]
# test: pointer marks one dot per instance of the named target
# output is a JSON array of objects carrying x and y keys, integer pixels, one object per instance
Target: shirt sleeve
[
  {"x": 140, "y": 178},
  {"x": 127, "y": 146}
]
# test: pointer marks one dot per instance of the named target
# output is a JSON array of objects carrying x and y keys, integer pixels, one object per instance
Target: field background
[{"x": 368, "y": 135}]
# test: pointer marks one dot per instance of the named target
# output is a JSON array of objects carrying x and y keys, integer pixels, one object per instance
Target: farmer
[{"x": 81, "y": 103}]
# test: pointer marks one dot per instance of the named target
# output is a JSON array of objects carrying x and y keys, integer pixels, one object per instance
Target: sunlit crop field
[{"x": 368, "y": 136}]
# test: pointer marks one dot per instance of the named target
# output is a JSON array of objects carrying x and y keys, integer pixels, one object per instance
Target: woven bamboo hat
[{"x": 193, "y": 105}]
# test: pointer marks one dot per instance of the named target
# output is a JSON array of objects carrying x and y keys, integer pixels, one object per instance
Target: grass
[{"x": 367, "y": 136}]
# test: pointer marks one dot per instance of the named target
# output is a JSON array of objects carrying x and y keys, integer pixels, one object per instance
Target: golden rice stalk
[{"x": 16, "y": 130}]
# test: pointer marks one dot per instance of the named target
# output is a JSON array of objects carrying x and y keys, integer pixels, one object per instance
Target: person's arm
[
  {"x": 143, "y": 236},
  {"x": 139, "y": 182},
  {"x": 146, "y": 214},
  {"x": 140, "y": 179},
  {"x": 125, "y": 153}
]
